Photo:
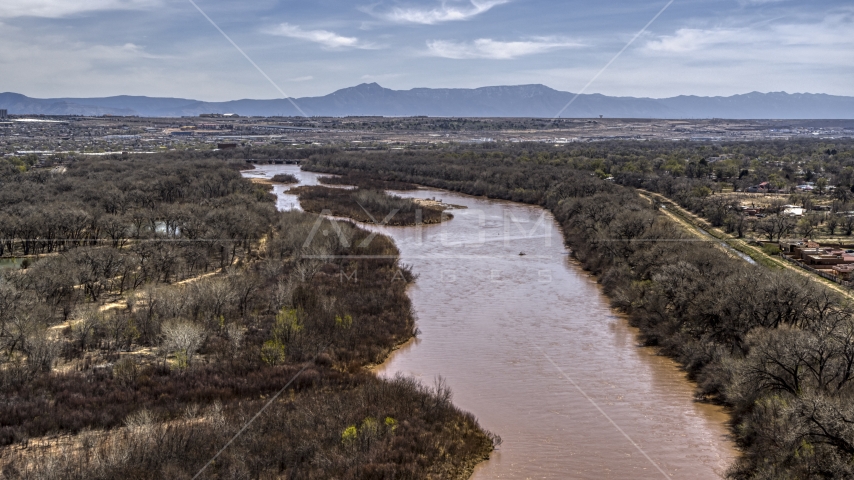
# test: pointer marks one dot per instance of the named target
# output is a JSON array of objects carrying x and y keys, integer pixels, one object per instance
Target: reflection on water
[{"x": 495, "y": 285}]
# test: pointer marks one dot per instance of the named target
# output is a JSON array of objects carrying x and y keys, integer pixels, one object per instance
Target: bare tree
[
  {"x": 775, "y": 227},
  {"x": 182, "y": 338},
  {"x": 42, "y": 351}
]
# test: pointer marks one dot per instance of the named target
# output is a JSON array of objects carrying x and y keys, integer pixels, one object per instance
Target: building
[
  {"x": 793, "y": 211},
  {"x": 214, "y": 126},
  {"x": 3, "y": 113},
  {"x": 764, "y": 187},
  {"x": 821, "y": 258},
  {"x": 818, "y": 259},
  {"x": 794, "y": 249},
  {"x": 844, "y": 271}
]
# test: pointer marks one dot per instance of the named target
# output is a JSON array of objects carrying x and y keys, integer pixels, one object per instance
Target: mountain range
[{"x": 501, "y": 101}]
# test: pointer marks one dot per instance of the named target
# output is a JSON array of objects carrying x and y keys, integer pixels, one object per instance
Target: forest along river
[{"x": 514, "y": 334}]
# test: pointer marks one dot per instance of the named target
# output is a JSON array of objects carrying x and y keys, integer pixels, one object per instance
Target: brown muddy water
[{"x": 529, "y": 345}]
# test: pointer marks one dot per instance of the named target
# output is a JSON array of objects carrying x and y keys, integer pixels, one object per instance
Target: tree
[
  {"x": 735, "y": 223},
  {"x": 42, "y": 349},
  {"x": 808, "y": 225},
  {"x": 183, "y": 338},
  {"x": 833, "y": 221},
  {"x": 848, "y": 224},
  {"x": 775, "y": 227},
  {"x": 116, "y": 229}
]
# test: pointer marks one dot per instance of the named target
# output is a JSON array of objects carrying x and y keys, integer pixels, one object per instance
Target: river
[{"x": 529, "y": 344}]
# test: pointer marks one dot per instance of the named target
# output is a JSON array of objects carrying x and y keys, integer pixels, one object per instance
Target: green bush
[{"x": 771, "y": 248}]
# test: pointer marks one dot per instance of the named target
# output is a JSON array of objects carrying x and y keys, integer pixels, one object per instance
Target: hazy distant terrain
[{"x": 502, "y": 101}]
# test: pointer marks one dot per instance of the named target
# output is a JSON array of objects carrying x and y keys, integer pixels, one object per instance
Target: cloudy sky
[{"x": 79, "y": 48}]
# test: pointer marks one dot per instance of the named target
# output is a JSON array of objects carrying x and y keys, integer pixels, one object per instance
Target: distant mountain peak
[{"x": 373, "y": 86}]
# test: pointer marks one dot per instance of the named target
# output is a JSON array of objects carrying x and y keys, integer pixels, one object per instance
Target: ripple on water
[{"x": 483, "y": 312}]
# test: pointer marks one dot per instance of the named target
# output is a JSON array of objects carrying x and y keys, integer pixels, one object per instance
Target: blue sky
[{"x": 52, "y": 48}]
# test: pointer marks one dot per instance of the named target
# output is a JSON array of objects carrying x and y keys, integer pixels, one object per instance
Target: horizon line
[{"x": 154, "y": 96}]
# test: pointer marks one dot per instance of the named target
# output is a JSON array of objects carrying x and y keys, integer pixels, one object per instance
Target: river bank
[
  {"x": 460, "y": 462},
  {"x": 745, "y": 333},
  {"x": 485, "y": 312},
  {"x": 125, "y": 366}
]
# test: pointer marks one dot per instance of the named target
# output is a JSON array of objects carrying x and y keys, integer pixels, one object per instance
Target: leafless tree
[{"x": 182, "y": 337}]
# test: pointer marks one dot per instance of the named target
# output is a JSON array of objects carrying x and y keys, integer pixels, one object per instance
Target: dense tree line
[
  {"x": 723, "y": 165},
  {"x": 776, "y": 348},
  {"x": 689, "y": 173},
  {"x": 364, "y": 181},
  {"x": 369, "y": 206},
  {"x": 162, "y": 303}
]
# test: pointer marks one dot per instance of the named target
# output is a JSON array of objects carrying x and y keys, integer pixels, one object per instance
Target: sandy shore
[{"x": 435, "y": 203}]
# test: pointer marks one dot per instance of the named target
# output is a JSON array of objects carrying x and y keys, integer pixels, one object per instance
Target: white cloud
[
  {"x": 120, "y": 53},
  {"x": 745, "y": 3},
  {"x": 493, "y": 49},
  {"x": 330, "y": 40},
  {"x": 57, "y": 53},
  {"x": 692, "y": 39},
  {"x": 66, "y": 67},
  {"x": 62, "y": 8},
  {"x": 446, "y": 12},
  {"x": 782, "y": 39},
  {"x": 301, "y": 79}
]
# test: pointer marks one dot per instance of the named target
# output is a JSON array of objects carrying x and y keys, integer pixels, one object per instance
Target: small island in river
[
  {"x": 285, "y": 178},
  {"x": 365, "y": 181},
  {"x": 370, "y": 206}
]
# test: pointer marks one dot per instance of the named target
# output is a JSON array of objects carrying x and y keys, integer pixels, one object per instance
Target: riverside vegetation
[
  {"x": 285, "y": 178},
  {"x": 365, "y": 181},
  {"x": 369, "y": 206},
  {"x": 775, "y": 347},
  {"x": 162, "y": 302}
]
